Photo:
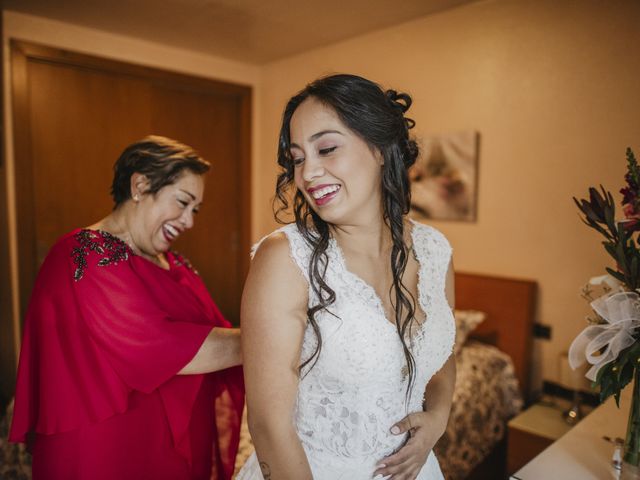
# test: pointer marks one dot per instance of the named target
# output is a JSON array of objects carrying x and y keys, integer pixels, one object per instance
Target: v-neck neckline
[{"x": 374, "y": 294}]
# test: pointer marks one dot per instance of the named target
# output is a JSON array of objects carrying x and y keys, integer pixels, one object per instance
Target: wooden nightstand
[
  {"x": 582, "y": 453},
  {"x": 531, "y": 432}
]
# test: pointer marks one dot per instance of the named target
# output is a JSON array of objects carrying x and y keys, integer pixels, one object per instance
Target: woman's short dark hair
[
  {"x": 161, "y": 159},
  {"x": 378, "y": 117}
]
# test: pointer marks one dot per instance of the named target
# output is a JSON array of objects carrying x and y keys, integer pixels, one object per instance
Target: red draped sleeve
[{"x": 103, "y": 322}]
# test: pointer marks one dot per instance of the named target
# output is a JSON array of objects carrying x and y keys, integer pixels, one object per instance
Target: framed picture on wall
[{"x": 444, "y": 178}]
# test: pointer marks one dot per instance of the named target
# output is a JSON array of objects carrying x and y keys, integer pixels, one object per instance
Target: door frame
[
  {"x": 8, "y": 354},
  {"x": 23, "y": 52}
]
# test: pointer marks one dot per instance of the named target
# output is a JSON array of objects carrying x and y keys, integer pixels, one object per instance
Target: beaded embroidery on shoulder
[
  {"x": 180, "y": 260},
  {"x": 110, "y": 249}
]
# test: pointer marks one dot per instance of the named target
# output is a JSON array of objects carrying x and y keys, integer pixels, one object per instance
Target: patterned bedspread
[
  {"x": 485, "y": 398},
  {"x": 15, "y": 462}
]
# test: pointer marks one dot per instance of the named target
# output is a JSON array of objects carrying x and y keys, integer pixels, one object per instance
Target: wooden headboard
[{"x": 510, "y": 306}]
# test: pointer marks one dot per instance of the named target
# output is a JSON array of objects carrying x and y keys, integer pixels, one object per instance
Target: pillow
[{"x": 466, "y": 322}]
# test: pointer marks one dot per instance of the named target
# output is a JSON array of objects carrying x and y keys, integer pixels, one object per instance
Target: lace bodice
[{"x": 356, "y": 390}]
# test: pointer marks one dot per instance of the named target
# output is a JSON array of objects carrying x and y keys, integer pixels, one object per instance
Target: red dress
[{"x": 98, "y": 395}]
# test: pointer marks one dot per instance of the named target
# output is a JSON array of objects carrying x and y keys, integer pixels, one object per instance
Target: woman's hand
[
  {"x": 220, "y": 350},
  {"x": 425, "y": 428}
]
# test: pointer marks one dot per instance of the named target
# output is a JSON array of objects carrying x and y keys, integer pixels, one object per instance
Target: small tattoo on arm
[{"x": 266, "y": 471}]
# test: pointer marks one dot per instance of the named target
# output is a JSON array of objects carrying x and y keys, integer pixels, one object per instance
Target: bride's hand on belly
[{"x": 424, "y": 428}]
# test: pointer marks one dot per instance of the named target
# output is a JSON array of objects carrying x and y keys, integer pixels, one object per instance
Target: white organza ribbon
[
  {"x": 621, "y": 311},
  {"x": 612, "y": 283}
]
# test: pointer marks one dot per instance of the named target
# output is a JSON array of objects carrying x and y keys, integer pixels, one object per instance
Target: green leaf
[
  {"x": 610, "y": 219},
  {"x": 610, "y": 247},
  {"x": 598, "y": 201},
  {"x": 623, "y": 234},
  {"x": 620, "y": 256},
  {"x": 604, "y": 374},
  {"x": 605, "y": 393},
  {"x": 598, "y": 228},
  {"x": 608, "y": 196},
  {"x": 605, "y": 380},
  {"x": 625, "y": 375},
  {"x": 612, "y": 206},
  {"x": 594, "y": 211},
  {"x": 634, "y": 271},
  {"x": 615, "y": 274},
  {"x": 591, "y": 214}
]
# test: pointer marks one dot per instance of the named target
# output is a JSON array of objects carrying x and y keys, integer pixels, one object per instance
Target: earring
[{"x": 136, "y": 197}]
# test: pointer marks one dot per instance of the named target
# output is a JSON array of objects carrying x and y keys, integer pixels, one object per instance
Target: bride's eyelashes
[
  {"x": 323, "y": 152},
  {"x": 327, "y": 151}
]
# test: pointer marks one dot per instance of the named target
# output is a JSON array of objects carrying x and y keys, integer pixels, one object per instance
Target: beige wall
[
  {"x": 549, "y": 85},
  {"x": 129, "y": 49},
  {"x": 553, "y": 89}
]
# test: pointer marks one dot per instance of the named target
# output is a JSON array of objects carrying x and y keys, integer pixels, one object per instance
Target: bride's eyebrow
[{"x": 316, "y": 136}]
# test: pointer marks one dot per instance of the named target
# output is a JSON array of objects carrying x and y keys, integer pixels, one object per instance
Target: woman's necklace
[{"x": 160, "y": 260}]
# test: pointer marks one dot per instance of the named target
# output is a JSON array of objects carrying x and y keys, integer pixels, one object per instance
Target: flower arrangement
[{"x": 610, "y": 342}]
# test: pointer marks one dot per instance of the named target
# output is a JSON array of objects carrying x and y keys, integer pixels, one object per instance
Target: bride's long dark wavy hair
[{"x": 377, "y": 116}]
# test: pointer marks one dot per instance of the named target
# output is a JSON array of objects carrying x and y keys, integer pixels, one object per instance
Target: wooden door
[
  {"x": 7, "y": 327},
  {"x": 74, "y": 114}
]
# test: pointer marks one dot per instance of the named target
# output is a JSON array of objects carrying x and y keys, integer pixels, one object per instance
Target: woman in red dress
[{"x": 125, "y": 368}]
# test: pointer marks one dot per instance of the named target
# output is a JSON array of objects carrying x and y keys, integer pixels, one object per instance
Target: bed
[
  {"x": 494, "y": 367},
  {"x": 493, "y": 375}
]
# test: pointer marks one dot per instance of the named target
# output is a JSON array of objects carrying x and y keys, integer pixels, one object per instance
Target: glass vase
[{"x": 631, "y": 456}]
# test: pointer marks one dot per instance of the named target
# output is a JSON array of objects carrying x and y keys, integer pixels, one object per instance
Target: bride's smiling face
[{"x": 336, "y": 171}]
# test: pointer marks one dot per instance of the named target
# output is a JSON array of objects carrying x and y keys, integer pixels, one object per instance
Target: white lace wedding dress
[{"x": 357, "y": 390}]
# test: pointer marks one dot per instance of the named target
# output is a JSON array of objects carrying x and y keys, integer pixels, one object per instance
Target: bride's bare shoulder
[
  {"x": 272, "y": 247},
  {"x": 273, "y": 257},
  {"x": 275, "y": 283}
]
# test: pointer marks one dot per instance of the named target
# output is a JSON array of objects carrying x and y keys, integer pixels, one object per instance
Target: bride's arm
[{"x": 273, "y": 316}]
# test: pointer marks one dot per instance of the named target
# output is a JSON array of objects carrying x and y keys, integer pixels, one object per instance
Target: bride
[{"x": 347, "y": 326}]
